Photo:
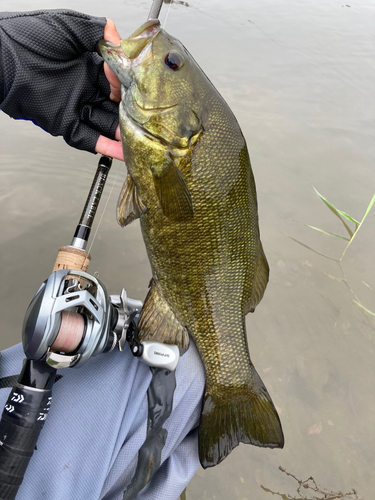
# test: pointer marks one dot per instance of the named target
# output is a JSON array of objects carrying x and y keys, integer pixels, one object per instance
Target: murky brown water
[{"x": 300, "y": 78}]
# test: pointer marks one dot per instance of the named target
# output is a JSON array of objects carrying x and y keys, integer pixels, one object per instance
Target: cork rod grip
[{"x": 72, "y": 258}]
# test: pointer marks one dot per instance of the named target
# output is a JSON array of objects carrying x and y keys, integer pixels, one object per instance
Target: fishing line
[
  {"x": 104, "y": 209},
  {"x": 166, "y": 17}
]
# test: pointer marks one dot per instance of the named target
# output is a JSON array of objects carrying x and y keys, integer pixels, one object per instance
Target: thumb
[{"x": 112, "y": 35}]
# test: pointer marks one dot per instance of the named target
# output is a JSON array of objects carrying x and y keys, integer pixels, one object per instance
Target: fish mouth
[
  {"x": 130, "y": 52},
  {"x": 150, "y": 27},
  {"x": 114, "y": 56}
]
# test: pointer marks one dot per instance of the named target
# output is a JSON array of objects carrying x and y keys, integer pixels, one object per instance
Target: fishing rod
[
  {"x": 70, "y": 319},
  {"x": 155, "y": 9}
]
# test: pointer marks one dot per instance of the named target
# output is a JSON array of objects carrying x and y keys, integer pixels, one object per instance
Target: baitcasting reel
[{"x": 72, "y": 318}]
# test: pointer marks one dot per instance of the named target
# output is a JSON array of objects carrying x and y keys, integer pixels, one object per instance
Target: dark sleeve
[{"x": 51, "y": 74}]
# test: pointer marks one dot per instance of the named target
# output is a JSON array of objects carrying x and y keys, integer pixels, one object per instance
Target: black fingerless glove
[{"x": 51, "y": 74}]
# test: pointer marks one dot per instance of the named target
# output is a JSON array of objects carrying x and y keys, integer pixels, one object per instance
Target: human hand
[
  {"x": 104, "y": 145},
  {"x": 53, "y": 76}
]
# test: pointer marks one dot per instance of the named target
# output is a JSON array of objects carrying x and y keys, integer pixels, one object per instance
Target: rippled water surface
[{"x": 300, "y": 78}]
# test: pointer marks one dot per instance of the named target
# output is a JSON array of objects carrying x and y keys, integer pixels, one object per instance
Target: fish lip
[
  {"x": 109, "y": 47},
  {"x": 152, "y": 27},
  {"x": 113, "y": 54}
]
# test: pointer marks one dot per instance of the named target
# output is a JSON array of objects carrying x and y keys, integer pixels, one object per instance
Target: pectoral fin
[
  {"x": 159, "y": 323},
  {"x": 129, "y": 205},
  {"x": 172, "y": 191}
]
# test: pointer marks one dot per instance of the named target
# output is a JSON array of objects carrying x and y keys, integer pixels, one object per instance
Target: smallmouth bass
[{"x": 191, "y": 185}]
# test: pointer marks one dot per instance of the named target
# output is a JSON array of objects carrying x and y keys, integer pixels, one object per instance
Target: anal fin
[
  {"x": 129, "y": 205},
  {"x": 260, "y": 281},
  {"x": 158, "y": 322}
]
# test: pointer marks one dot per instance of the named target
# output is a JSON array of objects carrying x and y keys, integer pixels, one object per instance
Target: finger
[
  {"x": 81, "y": 136},
  {"x": 99, "y": 119},
  {"x": 112, "y": 35},
  {"x": 114, "y": 83},
  {"x": 107, "y": 89},
  {"x": 118, "y": 133},
  {"x": 110, "y": 106},
  {"x": 110, "y": 148}
]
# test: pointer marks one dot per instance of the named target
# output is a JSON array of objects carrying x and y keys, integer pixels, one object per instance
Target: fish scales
[
  {"x": 194, "y": 288},
  {"x": 191, "y": 184}
]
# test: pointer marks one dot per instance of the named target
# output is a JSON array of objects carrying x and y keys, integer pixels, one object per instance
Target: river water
[{"x": 300, "y": 77}]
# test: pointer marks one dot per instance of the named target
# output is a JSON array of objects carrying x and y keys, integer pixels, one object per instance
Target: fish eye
[{"x": 174, "y": 60}]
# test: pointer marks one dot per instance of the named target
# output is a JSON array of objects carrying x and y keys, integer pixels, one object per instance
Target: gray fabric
[{"x": 97, "y": 423}]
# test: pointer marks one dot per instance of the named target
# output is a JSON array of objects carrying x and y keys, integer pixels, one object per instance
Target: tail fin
[{"x": 246, "y": 415}]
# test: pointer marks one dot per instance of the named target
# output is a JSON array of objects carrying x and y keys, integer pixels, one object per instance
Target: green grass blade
[
  {"x": 321, "y": 230},
  {"x": 323, "y": 272},
  {"x": 344, "y": 214},
  {"x": 312, "y": 249},
  {"x": 339, "y": 213},
  {"x": 360, "y": 224},
  {"x": 327, "y": 232},
  {"x": 368, "y": 286},
  {"x": 364, "y": 308},
  {"x": 348, "y": 217},
  {"x": 369, "y": 208}
]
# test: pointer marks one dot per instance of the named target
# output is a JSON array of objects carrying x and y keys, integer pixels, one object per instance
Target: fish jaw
[
  {"x": 117, "y": 61},
  {"x": 131, "y": 52}
]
